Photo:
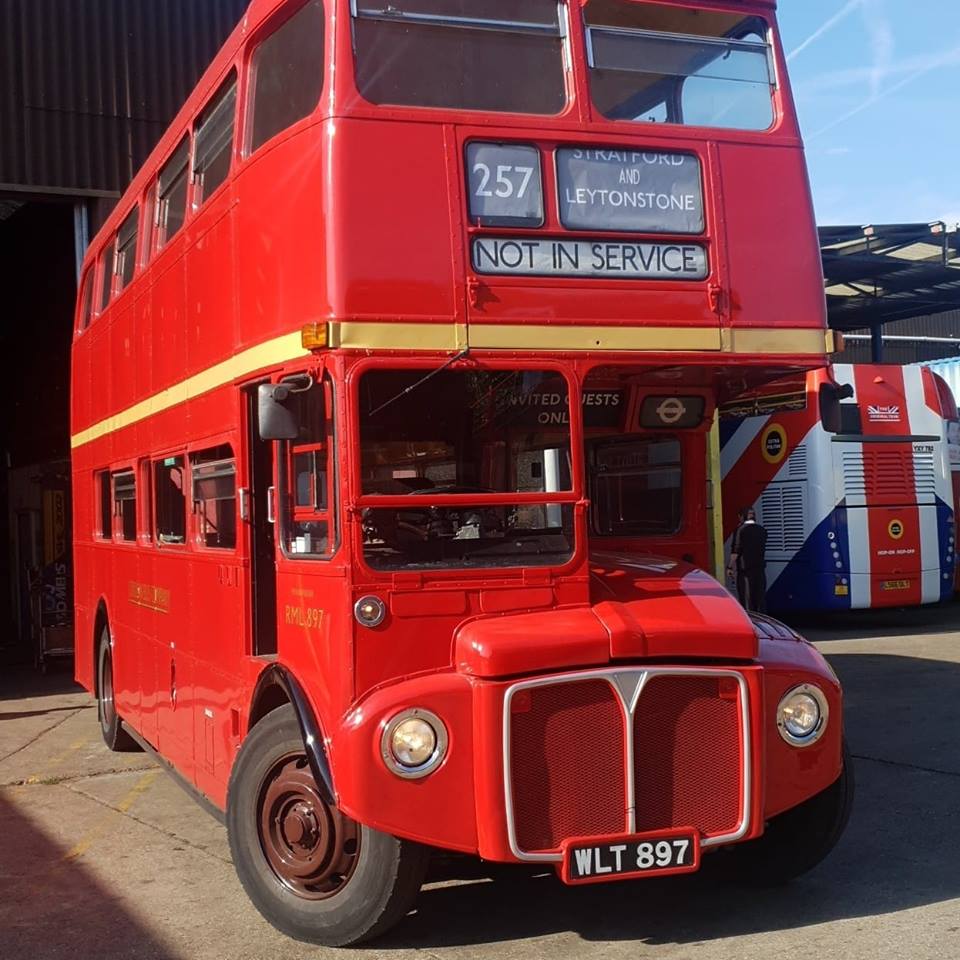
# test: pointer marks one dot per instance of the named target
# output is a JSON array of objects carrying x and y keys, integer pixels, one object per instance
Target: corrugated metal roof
[{"x": 87, "y": 88}]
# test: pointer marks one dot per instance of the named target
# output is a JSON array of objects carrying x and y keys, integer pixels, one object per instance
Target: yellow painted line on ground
[
  {"x": 93, "y": 834},
  {"x": 57, "y": 760}
]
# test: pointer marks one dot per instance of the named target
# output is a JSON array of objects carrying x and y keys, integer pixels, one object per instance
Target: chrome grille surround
[{"x": 628, "y": 685}]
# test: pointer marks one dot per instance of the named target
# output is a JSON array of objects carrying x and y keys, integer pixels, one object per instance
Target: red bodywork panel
[{"x": 642, "y": 609}]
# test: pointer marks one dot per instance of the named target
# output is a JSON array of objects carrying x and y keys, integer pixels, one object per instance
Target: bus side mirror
[
  {"x": 831, "y": 411},
  {"x": 275, "y": 421}
]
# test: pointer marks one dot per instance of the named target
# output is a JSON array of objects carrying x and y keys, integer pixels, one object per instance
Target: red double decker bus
[{"x": 391, "y": 365}]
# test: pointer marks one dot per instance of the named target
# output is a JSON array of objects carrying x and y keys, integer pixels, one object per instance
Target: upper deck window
[
  {"x": 213, "y": 142},
  {"x": 107, "y": 260},
  {"x": 505, "y": 56},
  {"x": 171, "y": 206},
  {"x": 288, "y": 74},
  {"x": 86, "y": 299},
  {"x": 126, "y": 260},
  {"x": 658, "y": 64}
]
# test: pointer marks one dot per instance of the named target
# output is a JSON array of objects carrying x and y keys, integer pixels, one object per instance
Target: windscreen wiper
[{"x": 419, "y": 383}]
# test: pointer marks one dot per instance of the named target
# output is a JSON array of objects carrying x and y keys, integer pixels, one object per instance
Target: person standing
[{"x": 748, "y": 562}]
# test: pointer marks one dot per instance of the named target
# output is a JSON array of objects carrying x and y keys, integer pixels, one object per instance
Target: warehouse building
[{"x": 86, "y": 89}]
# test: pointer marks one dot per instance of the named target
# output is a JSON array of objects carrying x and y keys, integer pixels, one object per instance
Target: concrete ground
[{"x": 102, "y": 855}]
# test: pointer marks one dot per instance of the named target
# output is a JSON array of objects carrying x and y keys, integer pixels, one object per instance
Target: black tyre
[
  {"x": 313, "y": 873},
  {"x": 114, "y": 736},
  {"x": 796, "y": 841}
]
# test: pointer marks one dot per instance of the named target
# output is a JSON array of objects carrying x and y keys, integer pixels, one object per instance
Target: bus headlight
[
  {"x": 414, "y": 743},
  {"x": 802, "y": 715}
]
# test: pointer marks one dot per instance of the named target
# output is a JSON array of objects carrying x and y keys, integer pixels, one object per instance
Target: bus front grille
[
  {"x": 687, "y": 755},
  {"x": 610, "y": 753},
  {"x": 567, "y": 763}
]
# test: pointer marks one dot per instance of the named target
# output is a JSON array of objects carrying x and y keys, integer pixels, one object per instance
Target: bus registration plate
[
  {"x": 597, "y": 859},
  {"x": 895, "y": 585}
]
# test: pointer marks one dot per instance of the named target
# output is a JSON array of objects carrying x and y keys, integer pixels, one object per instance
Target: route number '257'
[
  {"x": 506, "y": 180},
  {"x": 506, "y": 188}
]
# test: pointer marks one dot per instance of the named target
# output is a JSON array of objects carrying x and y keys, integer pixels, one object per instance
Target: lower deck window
[
  {"x": 214, "y": 474},
  {"x": 637, "y": 488},
  {"x": 171, "y": 501},
  {"x": 104, "y": 504},
  {"x": 125, "y": 505}
]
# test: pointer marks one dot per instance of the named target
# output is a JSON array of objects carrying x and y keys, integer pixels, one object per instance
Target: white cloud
[
  {"x": 927, "y": 65},
  {"x": 880, "y": 35},
  {"x": 825, "y": 27},
  {"x": 856, "y": 76}
]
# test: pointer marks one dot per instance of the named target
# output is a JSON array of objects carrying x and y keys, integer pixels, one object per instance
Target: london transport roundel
[
  {"x": 671, "y": 410},
  {"x": 895, "y": 529},
  {"x": 773, "y": 443}
]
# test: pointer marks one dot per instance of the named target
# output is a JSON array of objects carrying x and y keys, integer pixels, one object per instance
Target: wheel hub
[
  {"x": 300, "y": 826},
  {"x": 310, "y": 846}
]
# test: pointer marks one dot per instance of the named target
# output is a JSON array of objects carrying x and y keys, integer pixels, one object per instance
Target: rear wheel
[
  {"x": 313, "y": 873},
  {"x": 114, "y": 736},
  {"x": 796, "y": 841}
]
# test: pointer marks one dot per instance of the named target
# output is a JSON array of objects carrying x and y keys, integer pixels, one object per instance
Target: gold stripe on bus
[
  {"x": 267, "y": 354},
  {"x": 373, "y": 335},
  {"x": 764, "y": 340},
  {"x": 555, "y": 337}
]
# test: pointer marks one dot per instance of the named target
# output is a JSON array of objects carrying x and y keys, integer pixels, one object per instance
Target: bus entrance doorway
[{"x": 255, "y": 511}]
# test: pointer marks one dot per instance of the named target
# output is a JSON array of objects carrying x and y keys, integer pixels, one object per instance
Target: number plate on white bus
[{"x": 597, "y": 859}]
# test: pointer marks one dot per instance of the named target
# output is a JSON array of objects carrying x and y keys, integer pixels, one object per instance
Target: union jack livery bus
[
  {"x": 391, "y": 367},
  {"x": 849, "y": 473}
]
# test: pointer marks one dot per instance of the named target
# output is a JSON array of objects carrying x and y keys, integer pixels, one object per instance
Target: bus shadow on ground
[
  {"x": 870, "y": 624},
  {"x": 52, "y": 906},
  {"x": 24, "y": 683},
  {"x": 900, "y": 849}
]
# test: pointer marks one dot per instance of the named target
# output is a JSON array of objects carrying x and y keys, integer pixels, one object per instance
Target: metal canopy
[{"x": 886, "y": 272}]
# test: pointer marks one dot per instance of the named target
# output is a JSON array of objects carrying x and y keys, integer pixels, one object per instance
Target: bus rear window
[
  {"x": 507, "y": 58},
  {"x": 657, "y": 64}
]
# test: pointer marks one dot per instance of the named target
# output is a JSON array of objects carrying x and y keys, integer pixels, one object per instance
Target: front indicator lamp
[
  {"x": 414, "y": 743},
  {"x": 802, "y": 715},
  {"x": 370, "y": 611}
]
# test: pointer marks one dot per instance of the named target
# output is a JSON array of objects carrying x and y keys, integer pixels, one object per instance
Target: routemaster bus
[
  {"x": 848, "y": 470},
  {"x": 385, "y": 365}
]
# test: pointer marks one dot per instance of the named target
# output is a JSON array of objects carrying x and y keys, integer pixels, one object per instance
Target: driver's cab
[
  {"x": 474, "y": 467},
  {"x": 647, "y": 463}
]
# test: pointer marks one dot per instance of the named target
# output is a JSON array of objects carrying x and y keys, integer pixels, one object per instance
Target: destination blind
[
  {"x": 589, "y": 258},
  {"x": 635, "y": 191}
]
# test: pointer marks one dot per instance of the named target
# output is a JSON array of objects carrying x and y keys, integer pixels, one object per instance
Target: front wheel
[
  {"x": 313, "y": 873},
  {"x": 796, "y": 841}
]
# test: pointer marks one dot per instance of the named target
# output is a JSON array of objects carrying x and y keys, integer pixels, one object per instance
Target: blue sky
[{"x": 877, "y": 84}]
